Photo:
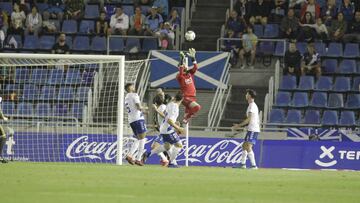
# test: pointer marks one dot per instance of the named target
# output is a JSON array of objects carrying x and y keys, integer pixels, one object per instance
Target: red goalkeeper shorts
[{"x": 187, "y": 101}]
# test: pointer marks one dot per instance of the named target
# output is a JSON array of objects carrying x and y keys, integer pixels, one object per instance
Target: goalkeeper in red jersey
[{"x": 185, "y": 77}]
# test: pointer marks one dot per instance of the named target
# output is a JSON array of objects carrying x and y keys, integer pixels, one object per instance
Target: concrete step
[
  {"x": 209, "y": 13},
  {"x": 200, "y": 46},
  {"x": 225, "y": 3},
  {"x": 205, "y": 30},
  {"x": 207, "y": 22}
]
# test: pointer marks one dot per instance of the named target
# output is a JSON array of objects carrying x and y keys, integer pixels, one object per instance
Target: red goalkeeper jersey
[{"x": 186, "y": 81}]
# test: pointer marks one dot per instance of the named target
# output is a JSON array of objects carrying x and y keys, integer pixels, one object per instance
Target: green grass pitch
[{"x": 67, "y": 182}]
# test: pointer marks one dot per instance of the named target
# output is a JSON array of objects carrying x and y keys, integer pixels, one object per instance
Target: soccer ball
[{"x": 190, "y": 35}]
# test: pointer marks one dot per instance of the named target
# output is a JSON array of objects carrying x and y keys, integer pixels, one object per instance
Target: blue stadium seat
[
  {"x": 56, "y": 76},
  {"x": 279, "y": 49},
  {"x": 87, "y": 27},
  {"x": 319, "y": 100},
  {"x": 351, "y": 50},
  {"x": 150, "y": 44},
  {"x": 353, "y": 101},
  {"x": 128, "y": 10},
  {"x": 288, "y": 83},
  {"x": 8, "y": 107},
  {"x": 271, "y": 31},
  {"x": 259, "y": 30},
  {"x": 266, "y": 47},
  {"x": 92, "y": 12},
  {"x": 6, "y": 6},
  {"x": 77, "y": 110},
  {"x": 335, "y": 50},
  {"x": 60, "y": 110},
  {"x": 116, "y": 44},
  {"x": 109, "y": 9},
  {"x": 30, "y": 92},
  {"x": 293, "y": 116},
  {"x": 25, "y": 108},
  {"x": 312, "y": 117},
  {"x": 82, "y": 94},
  {"x": 276, "y": 116},
  {"x": 146, "y": 9},
  {"x": 348, "y": 66},
  {"x": 98, "y": 44},
  {"x": 335, "y": 101},
  {"x": 43, "y": 109},
  {"x": 69, "y": 41},
  {"x": 330, "y": 118},
  {"x": 342, "y": 84},
  {"x": 324, "y": 83},
  {"x": 66, "y": 93},
  {"x": 306, "y": 83},
  {"x": 18, "y": 40},
  {"x": 283, "y": 99},
  {"x": 38, "y": 76},
  {"x": 329, "y": 65},
  {"x": 13, "y": 88},
  {"x": 48, "y": 93},
  {"x": 320, "y": 48},
  {"x": 42, "y": 7},
  {"x": 87, "y": 78},
  {"x": 301, "y": 46},
  {"x": 31, "y": 42},
  {"x": 300, "y": 99},
  {"x": 356, "y": 84},
  {"x": 81, "y": 43},
  {"x": 73, "y": 76},
  {"x": 47, "y": 42},
  {"x": 22, "y": 75},
  {"x": 69, "y": 27},
  {"x": 347, "y": 119},
  {"x": 133, "y": 45}
]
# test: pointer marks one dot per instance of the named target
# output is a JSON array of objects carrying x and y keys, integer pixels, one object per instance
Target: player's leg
[
  {"x": 158, "y": 142},
  {"x": 141, "y": 148},
  {"x": 130, "y": 156},
  {"x": 251, "y": 142},
  {"x": 2, "y": 143},
  {"x": 244, "y": 154},
  {"x": 177, "y": 146},
  {"x": 191, "y": 108}
]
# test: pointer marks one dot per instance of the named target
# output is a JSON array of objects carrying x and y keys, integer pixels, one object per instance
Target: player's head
[
  {"x": 250, "y": 94},
  {"x": 129, "y": 87},
  {"x": 167, "y": 99},
  {"x": 178, "y": 97},
  {"x": 159, "y": 91},
  {"x": 158, "y": 100}
]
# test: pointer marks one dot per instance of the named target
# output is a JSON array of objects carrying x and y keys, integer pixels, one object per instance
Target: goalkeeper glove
[
  {"x": 191, "y": 54},
  {"x": 182, "y": 58}
]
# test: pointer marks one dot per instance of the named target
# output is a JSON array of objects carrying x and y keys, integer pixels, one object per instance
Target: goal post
[{"x": 67, "y": 108}]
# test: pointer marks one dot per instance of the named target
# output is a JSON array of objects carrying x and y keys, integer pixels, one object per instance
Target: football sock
[
  {"x": 173, "y": 153},
  {"x": 243, "y": 157},
  {"x": 141, "y": 149},
  {"x": 133, "y": 148},
  {"x": 2, "y": 143},
  {"x": 158, "y": 149},
  {"x": 252, "y": 158},
  {"x": 162, "y": 156}
]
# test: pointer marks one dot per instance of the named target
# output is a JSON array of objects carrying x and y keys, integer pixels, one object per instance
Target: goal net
[{"x": 66, "y": 108}]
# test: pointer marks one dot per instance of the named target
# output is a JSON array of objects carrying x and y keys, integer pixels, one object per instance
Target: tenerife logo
[{"x": 327, "y": 152}]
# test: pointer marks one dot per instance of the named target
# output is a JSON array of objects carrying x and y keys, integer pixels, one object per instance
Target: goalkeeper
[
  {"x": 185, "y": 77},
  {"x": 2, "y": 135}
]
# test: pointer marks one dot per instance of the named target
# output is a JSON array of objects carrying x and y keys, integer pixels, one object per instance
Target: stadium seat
[
  {"x": 330, "y": 118},
  {"x": 25, "y": 108},
  {"x": 288, "y": 83},
  {"x": 77, "y": 110},
  {"x": 306, "y": 83},
  {"x": 329, "y": 65},
  {"x": 276, "y": 116},
  {"x": 47, "y": 42},
  {"x": 42, "y": 7},
  {"x": 348, "y": 66},
  {"x": 38, "y": 76},
  {"x": 17, "y": 39},
  {"x": 8, "y": 107},
  {"x": 146, "y": 9},
  {"x": 347, "y": 119},
  {"x": 335, "y": 50},
  {"x": 259, "y": 30},
  {"x": 312, "y": 117},
  {"x": 283, "y": 99},
  {"x": 92, "y": 12},
  {"x": 66, "y": 93},
  {"x": 48, "y": 93},
  {"x": 319, "y": 100},
  {"x": 279, "y": 49},
  {"x": 30, "y": 92},
  {"x": 356, "y": 84},
  {"x": 73, "y": 76},
  {"x": 22, "y": 75},
  {"x": 342, "y": 84},
  {"x": 149, "y": 44},
  {"x": 13, "y": 88},
  {"x": 43, "y": 109},
  {"x": 110, "y": 10},
  {"x": 60, "y": 110},
  {"x": 6, "y": 6},
  {"x": 81, "y": 44},
  {"x": 320, "y": 48},
  {"x": 133, "y": 45},
  {"x": 266, "y": 48},
  {"x": 353, "y": 101},
  {"x": 82, "y": 94},
  {"x": 351, "y": 50},
  {"x": 128, "y": 10},
  {"x": 116, "y": 44},
  {"x": 98, "y": 44},
  {"x": 293, "y": 116},
  {"x": 271, "y": 31},
  {"x": 324, "y": 83},
  {"x": 56, "y": 76},
  {"x": 69, "y": 27},
  {"x": 87, "y": 77},
  {"x": 31, "y": 42},
  {"x": 301, "y": 46},
  {"x": 87, "y": 27},
  {"x": 69, "y": 41},
  {"x": 335, "y": 100},
  {"x": 300, "y": 99}
]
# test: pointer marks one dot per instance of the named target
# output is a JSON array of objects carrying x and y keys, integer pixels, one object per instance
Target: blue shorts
[
  {"x": 138, "y": 127},
  {"x": 171, "y": 138},
  {"x": 251, "y": 137},
  {"x": 159, "y": 139}
]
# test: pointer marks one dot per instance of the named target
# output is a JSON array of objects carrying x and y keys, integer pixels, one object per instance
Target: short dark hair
[
  {"x": 127, "y": 86},
  {"x": 167, "y": 98},
  {"x": 252, "y": 93},
  {"x": 178, "y": 96},
  {"x": 158, "y": 100}
]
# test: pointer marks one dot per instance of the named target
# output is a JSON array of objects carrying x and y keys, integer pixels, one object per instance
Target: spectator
[
  {"x": 33, "y": 22},
  {"x": 154, "y": 22},
  {"x": 163, "y": 7},
  {"x": 248, "y": 47},
  {"x": 306, "y": 32},
  {"x": 174, "y": 19},
  {"x": 292, "y": 61},
  {"x": 102, "y": 25},
  {"x": 166, "y": 37},
  {"x": 353, "y": 32},
  {"x": 61, "y": 47},
  {"x": 74, "y": 9},
  {"x": 23, "y": 6},
  {"x": 55, "y": 10},
  {"x": 3, "y": 27},
  {"x": 278, "y": 11},
  {"x": 338, "y": 28},
  {"x": 328, "y": 12},
  {"x": 348, "y": 10},
  {"x": 49, "y": 25},
  {"x": 143, "y": 2},
  {"x": 289, "y": 25},
  {"x": 321, "y": 30},
  {"x": 100, "y": 2},
  {"x": 310, "y": 63},
  {"x": 260, "y": 12},
  {"x": 232, "y": 46},
  {"x": 119, "y": 22},
  {"x": 311, "y": 7},
  {"x": 137, "y": 22},
  {"x": 235, "y": 23},
  {"x": 242, "y": 7},
  {"x": 17, "y": 20}
]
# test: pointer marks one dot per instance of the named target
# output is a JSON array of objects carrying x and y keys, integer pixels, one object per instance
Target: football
[{"x": 190, "y": 35}]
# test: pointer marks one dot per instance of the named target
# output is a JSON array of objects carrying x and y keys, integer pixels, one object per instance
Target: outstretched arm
[{"x": 191, "y": 54}]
